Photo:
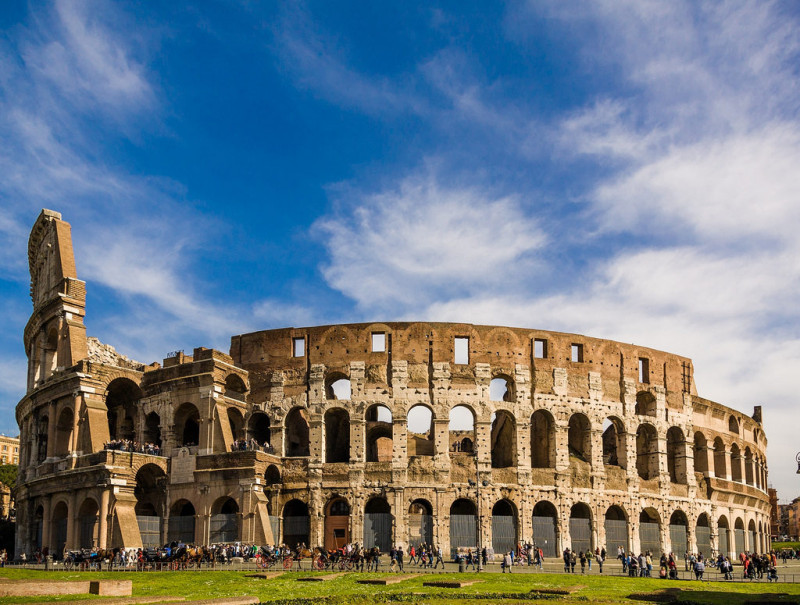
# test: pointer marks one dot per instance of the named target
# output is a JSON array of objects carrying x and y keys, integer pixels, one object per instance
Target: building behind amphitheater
[{"x": 384, "y": 433}]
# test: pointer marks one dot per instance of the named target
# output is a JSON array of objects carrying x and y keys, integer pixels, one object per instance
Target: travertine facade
[{"x": 378, "y": 433}]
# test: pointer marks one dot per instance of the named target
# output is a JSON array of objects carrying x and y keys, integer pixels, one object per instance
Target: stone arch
[
  {"x": 235, "y": 387},
  {"x": 187, "y": 425},
  {"x": 501, "y": 388},
  {"x": 420, "y": 523},
  {"x": 580, "y": 527},
  {"x": 152, "y": 429},
  {"x": 50, "y": 348},
  {"x": 733, "y": 424},
  {"x": 676, "y": 455},
  {"x": 543, "y": 440},
  {"x": 272, "y": 476},
  {"x": 122, "y": 396},
  {"x": 337, "y": 435},
  {"x": 463, "y": 525},
  {"x": 736, "y": 463},
  {"x": 702, "y": 532},
  {"x": 650, "y": 532},
  {"x": 720, "y": 459},
  {"x": 60, "y": 521},
  {"x": 181, "y": 522},
  {"x": 752, "y": 544},
  {"x": 724, "y": 537},
  {"x": 258, "y": 428},
  {"x": 297, "y": 434},
  {"x": 337, "y": 523},
  {"x": 545, "y": 528},
  {"x": 64, "y": 429},
  {"x": 748, "y": 466},
  {"x": 36, "y": 529},
  {"x": 504, "y": 439},
  {"x": 614, "y": 443},
  {"x": 462, "y": 429},
  {"x": 700, "y": 453},
  {"x": 224, "y": 521},
  {"x": 337, "y": 386},
  {"x": 421, "y": 440},
  {"x": 150, "y": 491},
  {"x": 739, "y": 536},
  {"x": 236, "y": 422},
  {"x": 646, "y": 404},
  {"x": 616, "y": 526},
  {"x": 679, "y": 532},
  {"x": 42, "y": 424},
  {"x": 647, "y": 451},
  {"x": 580, "y": 438},
  {"x": 378, "y": 524},
  {"x": 380, "y": 433},
  {"x": 505, "y": 532},
  {"x": 89, "y": 523},
  {"x": 296, "y": 523}
]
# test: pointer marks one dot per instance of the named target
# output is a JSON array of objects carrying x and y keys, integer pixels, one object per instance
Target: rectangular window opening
[
  {"x": 298, "y": 347},
  {"x": 378, "y": 342},
  {"x": 461, "y": 350},
  {"x": 576, "y": 353},
  {"x": 539, "y": 348},
  {"x": 644, "y": 370}
]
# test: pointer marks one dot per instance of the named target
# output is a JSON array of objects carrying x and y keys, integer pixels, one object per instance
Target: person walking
[
  {"x": 600, "y": 558},
  {"x": 412, "y": 555},
  {"x": 582, "y": 557},
  {"x": 439, "y": 558},
  {"x": 566, "y": 557},
  {"x": 507, "y": 562},
  {"x": 400, "y": 557}
]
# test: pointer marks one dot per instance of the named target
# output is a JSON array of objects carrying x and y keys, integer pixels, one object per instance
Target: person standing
[
  {"x": 400, "y": 557},
  {"x": 599, "y": 557},
  {"x": 507, "y": 562}
]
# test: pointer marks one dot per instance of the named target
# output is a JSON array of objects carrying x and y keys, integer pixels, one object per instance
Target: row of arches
[{"x": 734, "y": 463}]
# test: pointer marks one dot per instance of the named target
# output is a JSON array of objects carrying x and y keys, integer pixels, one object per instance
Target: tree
[{"x": 8, "y": 474}]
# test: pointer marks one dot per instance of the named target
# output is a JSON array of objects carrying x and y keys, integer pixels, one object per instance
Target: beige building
[
  {"x": 454, "y": 434},
  {"x": 9, "y": 450}
]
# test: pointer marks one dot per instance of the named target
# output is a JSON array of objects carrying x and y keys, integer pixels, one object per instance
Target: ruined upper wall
[{"x": 423, "y": 344}]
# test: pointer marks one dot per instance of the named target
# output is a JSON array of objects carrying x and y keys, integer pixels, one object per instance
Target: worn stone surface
[{"x": 361, "y": 446}]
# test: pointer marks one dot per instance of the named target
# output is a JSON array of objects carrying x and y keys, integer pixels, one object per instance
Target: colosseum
[{"x": 458, "y": 435}]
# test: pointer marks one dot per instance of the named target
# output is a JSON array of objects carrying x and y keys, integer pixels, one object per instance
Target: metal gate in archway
[
  {"x": 544, "y": 535},
  {"x": 580, "y": 533},
  {"x": 703, "y": 535},
  {"x": 378, "y": 531},
  {"x": 752, "y": 541},
  {"x": 678, "y": 539},
  {"x": 60, "y": 536},
  {"x": 504, "y": 533},
  {"x": 723, "y": 535},
  {"x": 150, "y": 530},
  {"x": 616, "y": 534},
  {"x": 181, "y": 529},
  {"x": 224, "y": 529},
  {"x": 463, "y": 532},
  {"x": 650, "y": 538},
  {"x": 739, "y": 541},
  {"x": 420, "y": 530}
]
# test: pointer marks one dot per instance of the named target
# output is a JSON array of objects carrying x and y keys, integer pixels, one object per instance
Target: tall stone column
[
  {"x": 47, "y": 523},
  {"x": 77, "y": 400},
  {"x": 104, "y": 496},
  {"x": 72, "y": 521},
  {"x": 51, "y": 430}
]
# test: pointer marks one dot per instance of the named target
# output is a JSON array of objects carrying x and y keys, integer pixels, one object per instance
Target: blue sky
[{"x": 627, "y": 170}]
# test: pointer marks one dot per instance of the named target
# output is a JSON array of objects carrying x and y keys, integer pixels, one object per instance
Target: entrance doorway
[{"x": 337, "y": 524}]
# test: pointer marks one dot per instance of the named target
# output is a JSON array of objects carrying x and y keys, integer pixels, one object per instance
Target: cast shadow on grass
[{"x": 681, "y": 596}]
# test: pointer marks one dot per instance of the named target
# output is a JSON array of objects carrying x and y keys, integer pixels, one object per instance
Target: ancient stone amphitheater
[{"x": 453, "y": 434}]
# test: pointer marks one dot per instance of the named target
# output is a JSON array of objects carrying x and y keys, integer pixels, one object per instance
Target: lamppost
[{"x": 798, "y": 462}]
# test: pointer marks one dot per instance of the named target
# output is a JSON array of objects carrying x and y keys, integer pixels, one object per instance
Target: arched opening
[
  {"x": 736, "y": 463},
  {"x": 187, "y": 425},
  {"x": 235, "y": 387},
  {"x": 224, "y": 521},
  {"x": 720, "y": 459},
  {"x": 420, "y": 431},
  {"x": 297, "y": 443},
  {"x": 700, "y": 454},
  {"x": 543, "y": 442},
  {"x": 258, "y": 429},
  {"x": 337, "y": 524},
  {"x": 378, "y": 524},
  {"x": 89, "y": 524},
  {"x": 296, "y": 523},
  {"x": 463, "y": 525},
  {"x": 181, "y": 522},
  {"x": 679, "y": 532},
  {"x": 337, "y": 435},
  {"x": 580, "y": 528},
  {"x": 733, "y": 424},
  {"x": 500, "y": 389},
  {"x": 616, "y": 523},
  {"x": 545, "y": 528},
  {"x": 59, "y": 531},
  {"x": 645, "y": 404},
  {"x": 647, "y": 451},
  {"x": 50, "y": 353},
  {"x": 580, "y": 439},
  {"x": 739, "y": 537},
  {"x": 152, "y": 429},
  {"x": 676, "y": 455},
  {"x": 702, "y": 532},
  {"x": 42, "y": 432},
  {"x": 748, "y": 466},
  {"x": 337, "y": 386},
  {"x": 37, "y": 528},
  {"x": 272, "y": 476},
  {"x": 380, "y": 435},
  {"x": 150, "y": 493},
  {"x": 650, "y": 532},
  {"x": 614, "y": 448},
  {"x": 420, "y": 523},
  {"x": 724, "y": 538},
  {"x": 64, "y": 432},
  {"x": 504, "y": 527},
  {"x": 122, "y": 395},
  {"x": 504, "y": 440},
  {"x": 461, "y": 430},
  {"x": 752, "y": 545},
  {"x": 236, "y": 422}
]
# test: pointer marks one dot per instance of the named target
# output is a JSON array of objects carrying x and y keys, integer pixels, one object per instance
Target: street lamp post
[{"x": 798, "y": 462}]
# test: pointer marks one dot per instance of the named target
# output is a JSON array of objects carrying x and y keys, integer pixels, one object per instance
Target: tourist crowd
[
  {"x": 127, "y": 445},
  {"x": 243, "y": 445}
]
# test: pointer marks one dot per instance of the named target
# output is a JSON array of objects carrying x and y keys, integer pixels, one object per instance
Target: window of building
[
  {"x": 378, "y": 342},
  {"x": 298, "y": 347},
  {"x": 644, "y": 370},
  {"x": 5, "y": 448},
  {"x": 576, "y": 353},
  {"x": 540, "y": 348},
  {"x": 461, "y": 350}
]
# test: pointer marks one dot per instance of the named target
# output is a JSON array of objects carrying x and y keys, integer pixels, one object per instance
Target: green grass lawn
[
  {"x": 778, "y": 546},
  {"x": 507, "y": 589}
]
